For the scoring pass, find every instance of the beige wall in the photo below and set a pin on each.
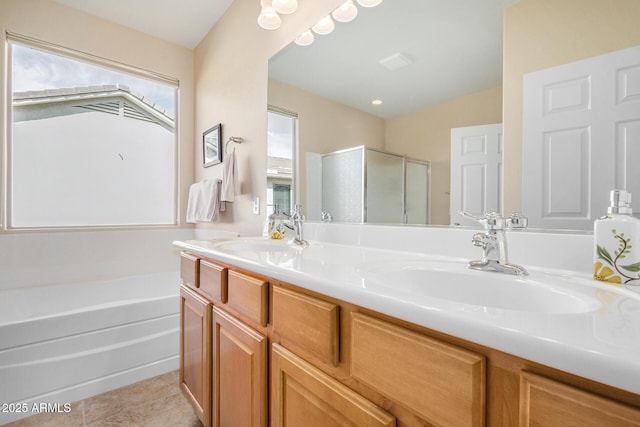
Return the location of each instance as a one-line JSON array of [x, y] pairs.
[[327, 126], [231, 66], [324, 126], [55, 23], [544, 33], [426, 135]]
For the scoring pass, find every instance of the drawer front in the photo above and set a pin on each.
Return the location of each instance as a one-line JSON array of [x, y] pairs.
[[308, 324], [213, 280], [545, 402], [248, 296], [189, 269], [441, 383]]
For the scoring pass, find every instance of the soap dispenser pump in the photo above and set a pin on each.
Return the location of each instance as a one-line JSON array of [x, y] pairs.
[[617, 243]]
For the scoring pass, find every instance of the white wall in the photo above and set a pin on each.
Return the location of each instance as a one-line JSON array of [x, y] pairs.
[[91, 169]]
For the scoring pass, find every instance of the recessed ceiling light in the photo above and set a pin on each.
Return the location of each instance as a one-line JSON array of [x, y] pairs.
[[376, 102]]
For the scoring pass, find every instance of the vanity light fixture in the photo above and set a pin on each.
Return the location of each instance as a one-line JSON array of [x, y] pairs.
[[346, 12], [285, 7], [305, 39], [268, 18], [324, 26], [369, 3]]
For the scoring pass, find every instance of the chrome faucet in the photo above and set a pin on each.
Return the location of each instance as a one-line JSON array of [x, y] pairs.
[[297, 221], [494, 243]]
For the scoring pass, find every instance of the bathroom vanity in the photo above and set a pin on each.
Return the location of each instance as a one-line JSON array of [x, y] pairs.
[[335, 334]]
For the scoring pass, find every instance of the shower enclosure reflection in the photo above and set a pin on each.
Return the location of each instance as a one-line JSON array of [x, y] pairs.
[[366, 185]]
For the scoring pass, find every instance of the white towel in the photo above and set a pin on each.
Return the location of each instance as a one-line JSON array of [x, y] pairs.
[[204, 203], [230, 184]]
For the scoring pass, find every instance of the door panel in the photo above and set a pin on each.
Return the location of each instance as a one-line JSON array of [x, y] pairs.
[[581, 138], [476, 171]]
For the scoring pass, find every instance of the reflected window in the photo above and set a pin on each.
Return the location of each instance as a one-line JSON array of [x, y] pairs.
[[281, 142]]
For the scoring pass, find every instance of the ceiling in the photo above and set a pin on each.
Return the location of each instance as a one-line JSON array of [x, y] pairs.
[[183, 22], [454, 46]]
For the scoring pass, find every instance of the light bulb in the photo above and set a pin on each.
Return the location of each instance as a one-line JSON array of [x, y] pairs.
[[285, 7], [324, 26], [369, 3], [346, 12], [305, 39], [268, 18]]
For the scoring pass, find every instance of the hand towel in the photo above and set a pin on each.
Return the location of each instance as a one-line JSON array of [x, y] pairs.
[[230, 184], [204, 203]]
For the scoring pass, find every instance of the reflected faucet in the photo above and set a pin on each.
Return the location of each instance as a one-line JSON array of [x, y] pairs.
[[296, 220], [326, 216], [494, 243]]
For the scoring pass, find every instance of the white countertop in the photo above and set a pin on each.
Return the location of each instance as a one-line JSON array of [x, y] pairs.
[[602, 343]]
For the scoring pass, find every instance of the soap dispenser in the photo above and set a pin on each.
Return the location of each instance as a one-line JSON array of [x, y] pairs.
[[617, 243]]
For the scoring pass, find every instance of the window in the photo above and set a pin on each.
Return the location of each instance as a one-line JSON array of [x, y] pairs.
[[92, 143], [281, 135]]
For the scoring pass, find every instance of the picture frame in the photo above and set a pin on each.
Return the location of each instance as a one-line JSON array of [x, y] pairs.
[[212, 146]]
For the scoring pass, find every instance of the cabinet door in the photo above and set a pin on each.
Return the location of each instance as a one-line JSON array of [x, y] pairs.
[[240, 373], [443, 384], [302, 395], [195, 352], [545, 402]]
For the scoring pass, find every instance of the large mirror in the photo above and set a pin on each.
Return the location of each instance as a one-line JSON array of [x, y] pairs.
[[434, 65]]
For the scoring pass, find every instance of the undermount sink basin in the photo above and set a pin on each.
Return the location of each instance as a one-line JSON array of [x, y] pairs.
[[256, 245], [452, 281]]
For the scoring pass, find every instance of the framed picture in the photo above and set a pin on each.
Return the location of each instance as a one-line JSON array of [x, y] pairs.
[[211, 146]]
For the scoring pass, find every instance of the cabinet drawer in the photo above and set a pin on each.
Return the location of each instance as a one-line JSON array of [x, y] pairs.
[[248, 296], [213, 280], [545, 402], [308, 324], [189, 269], [443, 384]]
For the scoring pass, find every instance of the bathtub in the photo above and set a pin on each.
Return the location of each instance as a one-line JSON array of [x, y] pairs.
[[63, 343]]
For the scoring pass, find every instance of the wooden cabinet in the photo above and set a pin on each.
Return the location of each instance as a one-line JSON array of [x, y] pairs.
[[240, 373], [443, 384], [195, 352], [258, 352], [302, 395], [549, 403]]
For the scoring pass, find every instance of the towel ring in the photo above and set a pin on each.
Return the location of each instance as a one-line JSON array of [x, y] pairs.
[[235, 139]]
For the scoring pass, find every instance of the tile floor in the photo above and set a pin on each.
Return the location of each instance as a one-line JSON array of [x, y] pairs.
[[156, 402]]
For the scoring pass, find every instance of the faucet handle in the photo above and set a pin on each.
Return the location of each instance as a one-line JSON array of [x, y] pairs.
[[297, 213], [490, 220], [326, 216], [517, 220]]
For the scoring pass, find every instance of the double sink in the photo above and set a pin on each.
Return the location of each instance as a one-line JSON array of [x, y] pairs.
[[448, 280]]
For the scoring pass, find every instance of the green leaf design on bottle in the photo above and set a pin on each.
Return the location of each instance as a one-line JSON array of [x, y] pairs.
[[624, 248]]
